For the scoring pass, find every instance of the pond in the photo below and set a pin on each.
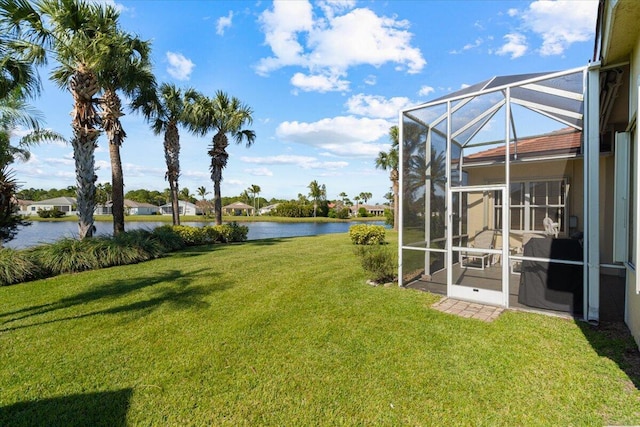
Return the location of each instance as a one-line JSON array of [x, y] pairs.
[[45, 232]]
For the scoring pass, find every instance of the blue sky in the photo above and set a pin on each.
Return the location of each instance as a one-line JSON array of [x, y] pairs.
[[325, 80]]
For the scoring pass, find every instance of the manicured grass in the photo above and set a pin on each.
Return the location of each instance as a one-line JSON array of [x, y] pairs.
[[286, 332]]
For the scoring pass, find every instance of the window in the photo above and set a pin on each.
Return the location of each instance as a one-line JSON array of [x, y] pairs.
[[531, 202]]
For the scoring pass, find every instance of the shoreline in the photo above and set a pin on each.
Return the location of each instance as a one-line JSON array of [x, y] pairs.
[[200, 218]]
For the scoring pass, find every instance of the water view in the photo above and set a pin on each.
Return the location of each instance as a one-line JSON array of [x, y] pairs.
[[45, 232]]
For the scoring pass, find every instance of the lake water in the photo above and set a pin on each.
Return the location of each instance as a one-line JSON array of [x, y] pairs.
[[44, 232]]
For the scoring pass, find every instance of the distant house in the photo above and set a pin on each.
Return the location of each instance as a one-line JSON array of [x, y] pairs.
[[238, 209], [64, 204], [23, 206], [372, 210], [266, 210], [186, 208], [130, 208]]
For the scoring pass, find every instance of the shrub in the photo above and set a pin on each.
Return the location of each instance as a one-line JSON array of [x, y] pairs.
[[293, 210], [67, 255], [379, 262], [233, 232], [17, 266], [51, 213], [363, 234], [168, 238], [388, 217], [191, 235], [362, 212]]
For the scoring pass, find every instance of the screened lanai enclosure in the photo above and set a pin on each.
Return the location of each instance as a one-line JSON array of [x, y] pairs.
[[494, 193]]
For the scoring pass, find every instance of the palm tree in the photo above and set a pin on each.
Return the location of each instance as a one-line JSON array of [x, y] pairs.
[[255, 190], [366, 196], [14, 112], [317, 192], [129, 72], [224, 116], [202, 192], [78, 35], [19, 54], [166, 110], [390, 161]]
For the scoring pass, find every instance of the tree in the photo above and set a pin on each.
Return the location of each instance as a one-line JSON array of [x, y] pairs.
[[390, 161], [226, 117], [20, 52], [166, 110], [202, 192], [317, 193], [186, 195], [15, 112], [77, 35], [365, 196], [255, 190], [128, 71]]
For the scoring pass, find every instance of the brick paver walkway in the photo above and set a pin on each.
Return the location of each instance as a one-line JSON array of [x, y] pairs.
[[486, 313]]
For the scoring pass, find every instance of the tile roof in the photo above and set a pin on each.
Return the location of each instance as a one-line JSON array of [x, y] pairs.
[[563, 141]]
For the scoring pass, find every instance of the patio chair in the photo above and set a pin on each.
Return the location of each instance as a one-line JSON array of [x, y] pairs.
[[482, 240]]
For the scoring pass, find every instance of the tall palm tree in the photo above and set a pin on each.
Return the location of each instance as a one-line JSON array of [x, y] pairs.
[[78, 35], [255, 190], [390, 161], [226, 117], [129, 72], [166, 110], [317, 193]]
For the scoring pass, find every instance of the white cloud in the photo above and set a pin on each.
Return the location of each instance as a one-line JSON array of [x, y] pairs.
[[370, 80], [319, 83], [512, 12], [377, 106], [343, 136], [223, 23], [561, 23], [259, 172], [305, 162], [516, 45], [426, 91], [117, 6], [179, 68], [330, 45]]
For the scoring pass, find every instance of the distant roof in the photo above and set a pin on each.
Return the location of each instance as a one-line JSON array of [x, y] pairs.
[[561, 142], [57, 201], [237, 205]]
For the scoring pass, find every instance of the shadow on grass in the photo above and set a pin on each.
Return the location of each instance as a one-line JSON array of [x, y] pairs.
[[614, 341], [177, 292], [108, 408]]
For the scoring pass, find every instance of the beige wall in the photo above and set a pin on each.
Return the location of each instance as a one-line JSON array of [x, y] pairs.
[[632, 316], [571, 169]]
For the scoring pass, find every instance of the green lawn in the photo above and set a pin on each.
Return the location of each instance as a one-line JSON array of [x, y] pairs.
[[286, 332]]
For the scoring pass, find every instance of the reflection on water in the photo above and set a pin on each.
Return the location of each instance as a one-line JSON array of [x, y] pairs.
[[45, 232]]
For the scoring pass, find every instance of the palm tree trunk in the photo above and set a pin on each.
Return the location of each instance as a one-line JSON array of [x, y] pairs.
[[175, 202], [219, 158], [83, 86], [217, 202], [172, 159], [111, 113], [117, 192], [395, 185]]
